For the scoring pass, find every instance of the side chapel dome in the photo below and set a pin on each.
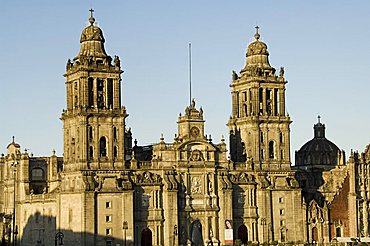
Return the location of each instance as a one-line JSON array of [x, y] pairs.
[[319, 151]]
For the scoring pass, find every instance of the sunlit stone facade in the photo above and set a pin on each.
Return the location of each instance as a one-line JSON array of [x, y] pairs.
[[107, 190]]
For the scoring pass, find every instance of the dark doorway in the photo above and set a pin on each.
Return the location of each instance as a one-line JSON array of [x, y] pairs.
[[146, 237], [196, 233], [243, 234]]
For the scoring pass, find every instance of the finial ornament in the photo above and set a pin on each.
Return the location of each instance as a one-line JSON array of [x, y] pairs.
[[318, 118], [91, 19], [257, 35]]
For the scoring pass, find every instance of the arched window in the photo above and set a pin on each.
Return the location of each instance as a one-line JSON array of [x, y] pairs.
[[271, 150], [90, 132], [103, 147], [91, 152], [90, 92], [37, 174], [114, 133], [115, 152]]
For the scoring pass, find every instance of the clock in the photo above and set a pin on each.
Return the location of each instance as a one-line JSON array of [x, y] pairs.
[[194, 131]]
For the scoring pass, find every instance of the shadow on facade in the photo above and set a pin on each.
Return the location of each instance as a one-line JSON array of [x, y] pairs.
[[237, 147], [41, 231]]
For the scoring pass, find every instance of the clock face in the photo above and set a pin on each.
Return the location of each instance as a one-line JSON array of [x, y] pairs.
[[194, 131]]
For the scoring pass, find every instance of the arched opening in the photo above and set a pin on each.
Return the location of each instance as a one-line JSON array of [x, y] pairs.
[[115, 152], [271, 150], [114, 133], [315, 236], [100, 93], [243, 234], [146, 237], [196, 233], [103, 147], [90, 134], [110, 93], [37, 174], [91, 152], [90, 92]]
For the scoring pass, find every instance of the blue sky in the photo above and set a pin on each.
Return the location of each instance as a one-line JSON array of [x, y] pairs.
[[323, 46]]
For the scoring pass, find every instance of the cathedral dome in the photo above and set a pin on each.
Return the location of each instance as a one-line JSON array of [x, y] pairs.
[[92, 41], [318, 151], [257, 55]]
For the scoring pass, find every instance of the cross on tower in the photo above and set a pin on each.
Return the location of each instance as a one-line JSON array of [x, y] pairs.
[[257, 27], [91, 11]]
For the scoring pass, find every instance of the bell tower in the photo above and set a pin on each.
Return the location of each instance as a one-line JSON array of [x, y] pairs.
[[259, 125], [94, 120]]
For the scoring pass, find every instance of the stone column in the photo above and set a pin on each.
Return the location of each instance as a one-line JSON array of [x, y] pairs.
[[234, 103], [116, 93], [95, 88], [264, 101]]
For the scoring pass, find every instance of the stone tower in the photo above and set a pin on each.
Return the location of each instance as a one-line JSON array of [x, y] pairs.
[[259, 125], [94, 121], [94, 181]]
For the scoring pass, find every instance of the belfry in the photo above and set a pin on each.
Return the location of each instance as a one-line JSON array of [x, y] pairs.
[[259, 125]]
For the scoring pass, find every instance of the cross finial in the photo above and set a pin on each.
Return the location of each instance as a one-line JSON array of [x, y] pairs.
[[91, 13], [318, 118], [257, 35]]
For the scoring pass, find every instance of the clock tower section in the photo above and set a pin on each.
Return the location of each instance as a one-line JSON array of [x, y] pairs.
[[94, 120], [259, 125]]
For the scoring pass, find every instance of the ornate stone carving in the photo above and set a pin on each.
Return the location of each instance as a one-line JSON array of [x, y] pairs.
[[243, 178], [170, 180], [148, 178], [196, 155], [196, 185]]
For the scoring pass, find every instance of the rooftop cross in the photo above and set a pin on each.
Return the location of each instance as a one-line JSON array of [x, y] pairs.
[[257, 35], [91, 13]]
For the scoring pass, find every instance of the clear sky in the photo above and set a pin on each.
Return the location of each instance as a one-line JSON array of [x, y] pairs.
[[323, 45]]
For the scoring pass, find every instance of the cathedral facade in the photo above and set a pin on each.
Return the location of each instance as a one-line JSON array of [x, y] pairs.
[[107, 190]]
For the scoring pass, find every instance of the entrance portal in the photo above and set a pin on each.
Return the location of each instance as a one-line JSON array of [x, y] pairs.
[[196, 233], [146, 237], [243, 234]]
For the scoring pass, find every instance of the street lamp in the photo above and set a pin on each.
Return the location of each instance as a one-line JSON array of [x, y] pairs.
[[15, 229], [125, 227], [59, 238]]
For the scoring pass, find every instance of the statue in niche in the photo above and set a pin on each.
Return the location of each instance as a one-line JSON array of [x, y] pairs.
[[250, 163], [210, 185], [269, 107]]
